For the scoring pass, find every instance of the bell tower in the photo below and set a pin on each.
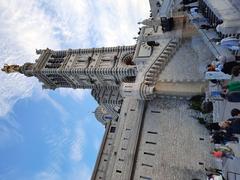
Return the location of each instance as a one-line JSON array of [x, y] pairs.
[[99, 69]]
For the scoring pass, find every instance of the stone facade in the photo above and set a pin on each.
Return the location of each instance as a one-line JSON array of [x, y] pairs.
[[142, 90]]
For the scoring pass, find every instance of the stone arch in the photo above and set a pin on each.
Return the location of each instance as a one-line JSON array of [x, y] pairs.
[[129, 79], [127, 59]]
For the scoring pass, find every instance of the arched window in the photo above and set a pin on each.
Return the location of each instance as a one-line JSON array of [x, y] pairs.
[[107, 117], [128, 59]]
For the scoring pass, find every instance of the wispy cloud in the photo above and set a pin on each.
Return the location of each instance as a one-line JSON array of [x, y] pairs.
[[59, 107], [23, 28], [27, 25], [97, 144], [81, 172], [47, 175], [77, 145], [30, 24], [67, 146], [10, 132], [77, 94]]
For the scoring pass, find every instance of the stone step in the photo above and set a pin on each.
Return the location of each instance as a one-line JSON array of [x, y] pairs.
[[170, 48], [157, 66], [149, 75], [153, 70], [160, 63]]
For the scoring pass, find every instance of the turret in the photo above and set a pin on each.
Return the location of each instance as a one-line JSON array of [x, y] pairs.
[[26, 69]]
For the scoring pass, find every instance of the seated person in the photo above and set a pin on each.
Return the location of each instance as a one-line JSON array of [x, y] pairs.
[[231, 96], [215, 72], [215, 66], [221, 137], [236, 70], [232, 86], [206, 26], [226, 67], [221, 154], [235, 112], [230, 126]]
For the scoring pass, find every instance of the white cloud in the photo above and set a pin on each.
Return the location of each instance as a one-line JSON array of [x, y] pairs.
[[55, 104], [57, 142], [27, 25], [9, 135], [46, 175], [76, 94], [10, 132], [23, 28], [77, 144], [117, 20], [73, 142], [97, 144], [81, 172]]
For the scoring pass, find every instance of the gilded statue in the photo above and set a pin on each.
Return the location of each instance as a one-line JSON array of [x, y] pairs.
[[11, 68]]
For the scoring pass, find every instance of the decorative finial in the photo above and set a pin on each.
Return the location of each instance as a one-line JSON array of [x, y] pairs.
[[11, 68]]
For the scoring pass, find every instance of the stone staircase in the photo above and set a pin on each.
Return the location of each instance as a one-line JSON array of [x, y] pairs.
[[158, 65]]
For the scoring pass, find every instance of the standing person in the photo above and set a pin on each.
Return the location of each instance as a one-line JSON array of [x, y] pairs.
[[232, 86], [228, 67], [235, 112], [236, 71]]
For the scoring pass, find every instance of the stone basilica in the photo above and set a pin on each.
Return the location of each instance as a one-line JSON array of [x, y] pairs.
[[143, 90]]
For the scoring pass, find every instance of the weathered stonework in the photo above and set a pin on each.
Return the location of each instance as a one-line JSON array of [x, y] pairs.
[[142, 91]]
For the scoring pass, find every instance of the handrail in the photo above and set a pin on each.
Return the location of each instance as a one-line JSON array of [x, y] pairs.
[[235, 175]]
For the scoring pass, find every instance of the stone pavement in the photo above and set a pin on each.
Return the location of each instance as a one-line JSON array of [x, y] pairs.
[[175, 142], [188, 63]]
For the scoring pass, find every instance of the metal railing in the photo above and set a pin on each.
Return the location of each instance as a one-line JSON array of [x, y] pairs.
[[233, 175]]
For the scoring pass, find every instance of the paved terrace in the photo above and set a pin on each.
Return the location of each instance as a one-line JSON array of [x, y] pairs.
[[176, 143]]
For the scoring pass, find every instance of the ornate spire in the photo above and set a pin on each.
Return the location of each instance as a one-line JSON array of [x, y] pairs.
[[11, 68]]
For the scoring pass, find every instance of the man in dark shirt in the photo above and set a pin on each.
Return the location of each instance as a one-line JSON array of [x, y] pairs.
[[233, 126], [228, 66]]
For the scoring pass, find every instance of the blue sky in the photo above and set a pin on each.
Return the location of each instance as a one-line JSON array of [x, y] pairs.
[[53, 135]]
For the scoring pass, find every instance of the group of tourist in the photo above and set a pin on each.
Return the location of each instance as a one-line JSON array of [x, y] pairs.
[[224, 72], [225, 131], [225, 136]]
